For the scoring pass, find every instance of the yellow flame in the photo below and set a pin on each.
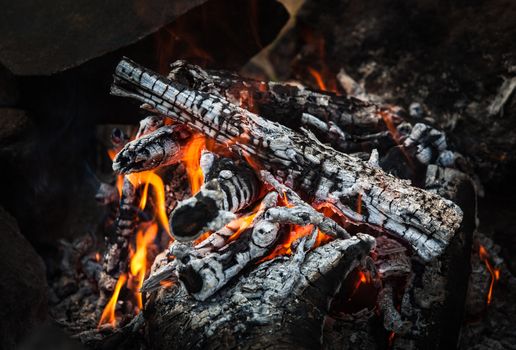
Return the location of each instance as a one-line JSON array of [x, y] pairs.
[[149, 177], [108, 315], [138, 265], [192, 156]]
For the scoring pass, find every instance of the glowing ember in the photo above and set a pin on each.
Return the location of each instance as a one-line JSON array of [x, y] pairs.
[[359, 204], [138, 265], [166, 283], [363, 278], [253, 163], [149, 177], [391, 339], [108, 315], [322, 238], [191, 159], [387, 119], [495, 273]]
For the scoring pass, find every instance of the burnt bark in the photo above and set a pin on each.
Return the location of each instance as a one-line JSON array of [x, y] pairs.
[[230, 186], [281, 303], [157, 148], [427, 221], [347, 123]]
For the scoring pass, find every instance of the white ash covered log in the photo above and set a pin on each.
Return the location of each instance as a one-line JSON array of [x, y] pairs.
[[347, 123], [115, 259], [229, 187], [281, 303], [158, 148], [204, 273], [425, 220]]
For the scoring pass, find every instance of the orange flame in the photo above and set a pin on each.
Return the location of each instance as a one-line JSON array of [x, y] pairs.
[[192, 158], [149, 177], [389, 123], [120, 178], [202, 238], [119, 184], [363, 278], [108, 315], [138, 265], [242, 223], [495, 273], [324, 77], [145, 194], [318, 79], [285, 248], [111, 153]]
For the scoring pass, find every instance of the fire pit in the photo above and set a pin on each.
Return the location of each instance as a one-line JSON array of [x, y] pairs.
[[282, 206]]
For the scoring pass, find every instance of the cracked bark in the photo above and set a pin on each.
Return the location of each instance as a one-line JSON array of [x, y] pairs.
[[158, 148], [347, 123], [281, 303], [425, 220], [116, 256], [230, 187]]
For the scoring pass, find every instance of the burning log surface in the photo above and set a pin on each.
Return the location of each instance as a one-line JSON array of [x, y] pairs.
[[230, 186], [281, 303], [156, 149], [245, 268], [425, 220], [347, 123]]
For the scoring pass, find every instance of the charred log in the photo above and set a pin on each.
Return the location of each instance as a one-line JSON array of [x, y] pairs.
[[202, 276], [425, 220], [282, 303], [115, 258], [231, 187], [157, 148], [347, 123]]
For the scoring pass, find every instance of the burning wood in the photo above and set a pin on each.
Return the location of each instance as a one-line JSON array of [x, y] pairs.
[[300, 212], [423, 219], [115, 258], [347, 123], [280, 102], [205, 274], [278, 300], [155, 149], [230, 186]]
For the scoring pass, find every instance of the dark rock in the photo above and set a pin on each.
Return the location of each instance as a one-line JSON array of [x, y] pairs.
[[9, 93], [14, 123], [23, 285], [40, 40], [50, 336]]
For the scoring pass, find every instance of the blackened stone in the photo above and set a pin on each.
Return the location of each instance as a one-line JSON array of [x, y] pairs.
[[9, 93], [13, 124], [23, 284]]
